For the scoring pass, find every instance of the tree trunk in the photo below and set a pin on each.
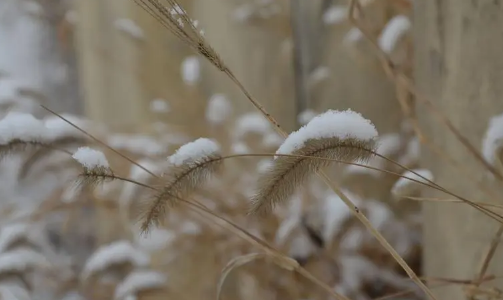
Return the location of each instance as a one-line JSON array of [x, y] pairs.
[[459, 66]]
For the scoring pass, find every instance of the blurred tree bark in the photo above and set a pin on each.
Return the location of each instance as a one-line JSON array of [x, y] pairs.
[[459, 66]]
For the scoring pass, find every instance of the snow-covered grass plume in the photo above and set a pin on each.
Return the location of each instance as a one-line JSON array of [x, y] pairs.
[[393, 31], [138, 281], [335, 14], [119, 252], [191, 69], [219, 108], [331, 124], [194, 151], [22, 127], [91, 159]]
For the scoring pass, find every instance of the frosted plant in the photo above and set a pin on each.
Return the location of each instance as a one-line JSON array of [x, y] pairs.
[[190, 167], [21, 234], [194, 151], [116, 253], [138, 281], [412, 183], [22, 260], [159, 105], [21, 127], [240, 148], [13, 290], [93, 161], [335, 14], [339, 135], [191, 69], [354, 35], [251, 123], [129, 27], [219, 109], [378, 213], [334, 214], [341, 125], [393, 31], [412, 153], [157, 239], [318, 75], [57, 128]]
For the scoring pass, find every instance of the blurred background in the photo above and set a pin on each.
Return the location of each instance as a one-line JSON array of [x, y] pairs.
[[426, 73]]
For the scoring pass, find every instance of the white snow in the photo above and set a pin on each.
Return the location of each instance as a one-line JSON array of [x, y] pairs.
[[159, 105], [352, 36], [405, 186], [352, 239], [335, 14], [219, 109], [191, 69], [138, 281], [334, 213], [301, 247], [492, 143], [21, 260], [59, 128], [12, 233], [318, 75], [378, 214], [128, 26], [90, 158], [21, 126], [331, 124], [114, 253], [157, 239], [240, 148], [412, 152], [253, 122], [176, 10], [393, 31], [13, 290], [194, 151]]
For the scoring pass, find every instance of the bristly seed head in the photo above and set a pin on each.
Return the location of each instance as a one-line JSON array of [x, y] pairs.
[[190, 168], [334, 135], [173, 17]]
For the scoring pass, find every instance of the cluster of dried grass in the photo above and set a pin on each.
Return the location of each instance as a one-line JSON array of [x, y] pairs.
[[164, 224]]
